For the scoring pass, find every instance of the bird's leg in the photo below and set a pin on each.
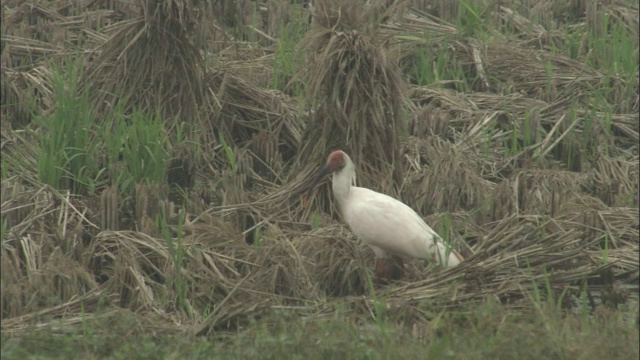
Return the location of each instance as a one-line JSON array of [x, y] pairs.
[[403, 273], [396, 270], [389, 270], [393, 269], [380, 271], [386, 271]]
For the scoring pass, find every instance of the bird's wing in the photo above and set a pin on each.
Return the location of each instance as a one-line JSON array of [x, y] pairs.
[[382, 221]]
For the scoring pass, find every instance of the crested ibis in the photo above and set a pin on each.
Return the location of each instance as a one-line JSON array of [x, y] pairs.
[[387, 225]]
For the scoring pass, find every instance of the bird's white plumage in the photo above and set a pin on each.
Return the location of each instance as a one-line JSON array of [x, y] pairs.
[[387, 225]]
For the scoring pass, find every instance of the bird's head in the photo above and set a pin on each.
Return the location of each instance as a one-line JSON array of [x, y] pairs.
[[336, 161]]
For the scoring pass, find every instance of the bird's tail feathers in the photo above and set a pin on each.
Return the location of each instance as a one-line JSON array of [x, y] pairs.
[[446, 256]]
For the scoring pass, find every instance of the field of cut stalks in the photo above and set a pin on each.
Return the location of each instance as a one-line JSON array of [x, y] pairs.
[[155, 154]]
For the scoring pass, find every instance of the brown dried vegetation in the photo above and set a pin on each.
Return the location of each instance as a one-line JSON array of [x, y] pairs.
[[522, 173]]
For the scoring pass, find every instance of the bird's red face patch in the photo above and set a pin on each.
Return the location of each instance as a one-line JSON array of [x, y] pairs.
[[335, 160]]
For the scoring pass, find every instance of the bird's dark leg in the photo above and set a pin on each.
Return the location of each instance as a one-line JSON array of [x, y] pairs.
[[380, 271], [393, 270], [387, 270]]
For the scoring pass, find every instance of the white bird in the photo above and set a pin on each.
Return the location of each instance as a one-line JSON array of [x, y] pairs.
[[387, 225]]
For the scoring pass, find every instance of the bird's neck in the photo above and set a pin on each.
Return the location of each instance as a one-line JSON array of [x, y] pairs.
[[342, 183]]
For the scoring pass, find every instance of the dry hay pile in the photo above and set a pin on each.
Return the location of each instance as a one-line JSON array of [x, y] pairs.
[[525, 175], [357, 93]]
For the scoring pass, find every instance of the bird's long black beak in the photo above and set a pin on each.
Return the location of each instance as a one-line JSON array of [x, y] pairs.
[[321, 174]]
